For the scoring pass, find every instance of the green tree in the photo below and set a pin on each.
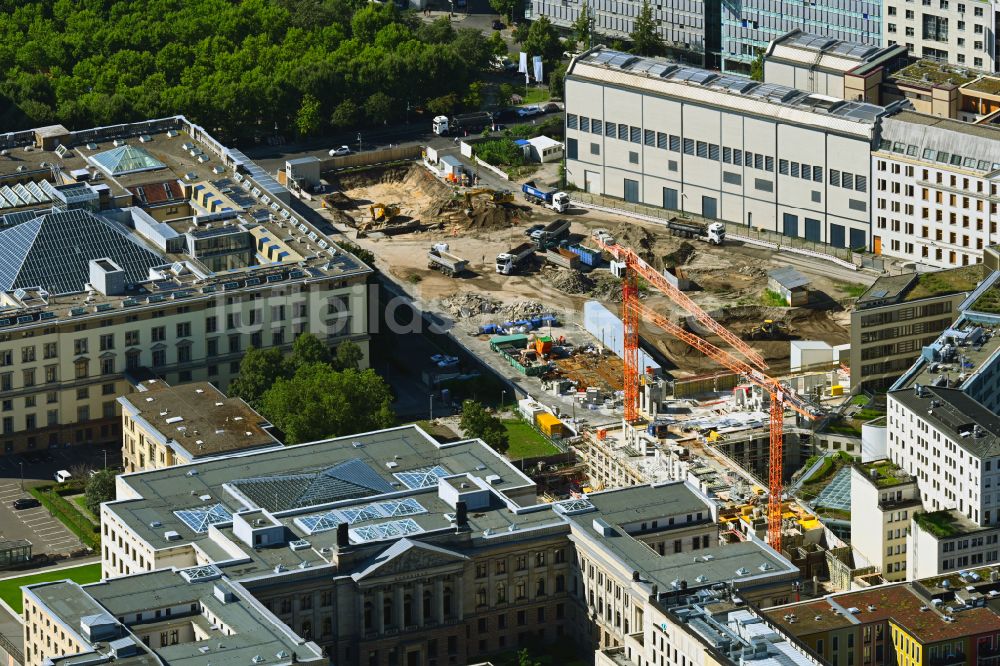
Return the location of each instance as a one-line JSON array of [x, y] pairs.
[[646, 39], [543, 40], [757, 65], [319, 402], [500, 151], [582, 28], [259, 369], [309, 349], [474, 96], [557, 81], [496, 45], [308, 119], [506, 8], [345, 115], [477, 422], [442, 105], [378, 108], [438, 31], [349, 355], [100, 488], [520, 33], [505, 93]]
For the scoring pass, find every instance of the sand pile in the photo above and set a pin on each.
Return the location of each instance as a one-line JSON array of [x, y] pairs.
[[570, 281], [396, 173], [680, 256], [607, 287]]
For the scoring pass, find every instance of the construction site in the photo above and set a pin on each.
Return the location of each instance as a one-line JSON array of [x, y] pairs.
[[669, 356]]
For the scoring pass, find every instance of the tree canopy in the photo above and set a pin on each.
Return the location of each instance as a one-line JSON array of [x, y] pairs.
[[477, 422], [100, 488], [542, 39], [646, 39], [238, 68]]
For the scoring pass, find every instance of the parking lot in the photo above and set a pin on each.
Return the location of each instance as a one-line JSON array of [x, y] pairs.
[[46, 534]]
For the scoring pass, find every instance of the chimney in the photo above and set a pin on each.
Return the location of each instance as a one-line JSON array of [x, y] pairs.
[[635, 576], [461, 514], [342, 541]]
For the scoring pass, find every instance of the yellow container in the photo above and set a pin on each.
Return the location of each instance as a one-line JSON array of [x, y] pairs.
[[836, 389], [549, 425]]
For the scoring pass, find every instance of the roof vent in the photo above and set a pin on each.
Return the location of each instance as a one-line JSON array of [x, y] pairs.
[[392, 464], [854, 610], [171, 535], [742, 571], [278, 568], [204, 498], [155, 524], [192, 472]]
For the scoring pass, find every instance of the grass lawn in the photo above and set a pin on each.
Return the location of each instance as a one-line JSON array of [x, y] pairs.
[[525, 442], [534, 95], [859, 400], [81, 501], [10, 589]]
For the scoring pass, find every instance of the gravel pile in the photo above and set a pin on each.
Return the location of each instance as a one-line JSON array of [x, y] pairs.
[[571, 282], [521, 310], [470, 304]]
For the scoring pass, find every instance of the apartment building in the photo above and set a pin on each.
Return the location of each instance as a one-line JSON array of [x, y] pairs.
[[721, 146], [166, 425], [943, 620], [886, 499], [689, 28], [958, 33], [388, 547], [899, 315], [97, 294], [935, 189]]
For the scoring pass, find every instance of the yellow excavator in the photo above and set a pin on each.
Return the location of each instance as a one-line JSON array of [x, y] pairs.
[[496, 197], [769, 330], [383, 212]]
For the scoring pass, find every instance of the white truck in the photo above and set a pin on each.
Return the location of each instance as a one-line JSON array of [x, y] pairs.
[[710, 232], [439, 258], [507, 262]]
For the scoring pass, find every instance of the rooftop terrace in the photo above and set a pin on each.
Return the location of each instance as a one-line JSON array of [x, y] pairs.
[[931, 72]]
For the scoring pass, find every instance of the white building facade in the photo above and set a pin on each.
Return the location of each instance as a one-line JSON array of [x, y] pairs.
[[936, 183], [761, 155], [958, 33]]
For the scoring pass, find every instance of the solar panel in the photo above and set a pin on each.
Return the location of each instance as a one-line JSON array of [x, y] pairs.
[[200, 519], [389, 530], [422, 477]]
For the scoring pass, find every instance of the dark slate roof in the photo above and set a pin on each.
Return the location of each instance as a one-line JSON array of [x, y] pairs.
[[957, 414], [349, 480], [53, 249]]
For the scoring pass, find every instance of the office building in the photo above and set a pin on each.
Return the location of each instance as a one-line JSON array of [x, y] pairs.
[[901, 314], [749, 27], [97, 294], [390, 548], [689, 28], [761, 155], [957, 33], [818, 63], [165, 425], [935, 191], [945, 620]]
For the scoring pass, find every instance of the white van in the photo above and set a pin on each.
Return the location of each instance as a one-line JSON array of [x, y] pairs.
[[62, 476]]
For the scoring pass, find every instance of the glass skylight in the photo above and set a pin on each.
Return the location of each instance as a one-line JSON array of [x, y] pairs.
[[391, 529], [322, 522], [422, 477], [199, 520]]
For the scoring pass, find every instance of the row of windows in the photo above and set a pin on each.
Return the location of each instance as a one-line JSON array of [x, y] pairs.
[[848, 181]]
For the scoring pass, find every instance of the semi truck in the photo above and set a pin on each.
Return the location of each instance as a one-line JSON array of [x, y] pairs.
[[473, 123], [439, 258], [550, 235], [554, 199], [710, 232], [507, 262]]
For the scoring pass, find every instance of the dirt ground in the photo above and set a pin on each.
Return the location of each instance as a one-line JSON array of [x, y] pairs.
[[729, 281]]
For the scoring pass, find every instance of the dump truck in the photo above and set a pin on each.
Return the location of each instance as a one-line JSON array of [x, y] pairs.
[[710, 232], [462, 123], [507, 262], [561, 257], [439, 258], [550, 235], [554, 199]]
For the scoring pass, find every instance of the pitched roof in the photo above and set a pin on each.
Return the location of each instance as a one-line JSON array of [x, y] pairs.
[[154, 193], [126, 159], [350, 479], [52, 251]]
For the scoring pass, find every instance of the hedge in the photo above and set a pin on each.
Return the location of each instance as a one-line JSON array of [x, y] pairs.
[[68, 515]]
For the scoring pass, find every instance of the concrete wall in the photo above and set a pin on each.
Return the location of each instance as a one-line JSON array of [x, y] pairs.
[[607, 328]]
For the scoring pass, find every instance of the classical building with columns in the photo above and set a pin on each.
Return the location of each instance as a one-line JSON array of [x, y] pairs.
[[389, 548]]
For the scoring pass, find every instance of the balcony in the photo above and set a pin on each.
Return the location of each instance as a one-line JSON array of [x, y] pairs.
[[612, 657]]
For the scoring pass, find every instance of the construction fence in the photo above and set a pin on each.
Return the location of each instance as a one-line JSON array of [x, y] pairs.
[[738, 231], [370, 157]]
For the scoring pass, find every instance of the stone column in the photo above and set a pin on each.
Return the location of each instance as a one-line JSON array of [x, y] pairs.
[[397, 606], [377, 612], [418, 604], [458, 597], [438, 598]]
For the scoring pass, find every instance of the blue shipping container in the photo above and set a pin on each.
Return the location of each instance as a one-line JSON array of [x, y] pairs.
[[588, 256]]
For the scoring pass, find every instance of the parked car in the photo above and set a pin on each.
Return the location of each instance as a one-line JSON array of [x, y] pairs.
[[498, 24], [528, 111], [26, 503], [337, 152], [62, 476], [551, 107]]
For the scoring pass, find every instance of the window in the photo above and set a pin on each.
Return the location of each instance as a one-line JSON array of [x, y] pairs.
[[80, 368], [159, 358], [108, 366], [596, 126], [584, 124], [50, 350], [595, 149], [79, 347], [107, 342], [131, 338], [234, 343], [184, 329], [633, 157], [159, 333]]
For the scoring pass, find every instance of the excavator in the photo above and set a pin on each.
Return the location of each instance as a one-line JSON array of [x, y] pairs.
[[383, 212], [769, 330], [497, 197]]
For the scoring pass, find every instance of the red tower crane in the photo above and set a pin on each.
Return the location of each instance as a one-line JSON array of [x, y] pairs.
[[752, 368]]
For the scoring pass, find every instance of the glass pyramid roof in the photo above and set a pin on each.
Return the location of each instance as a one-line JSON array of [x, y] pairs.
[[126, 159], [350, 479], [201, 518]]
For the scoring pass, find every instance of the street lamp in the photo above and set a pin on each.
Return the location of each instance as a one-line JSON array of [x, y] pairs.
[[105, 458], [21, 465], [359, 142], [503, 395], [430, 407]]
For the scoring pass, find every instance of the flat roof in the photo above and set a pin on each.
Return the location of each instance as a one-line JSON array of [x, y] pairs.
[[953, 143], [958, 415], [893, 289], [200, 419], [930, 72]]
